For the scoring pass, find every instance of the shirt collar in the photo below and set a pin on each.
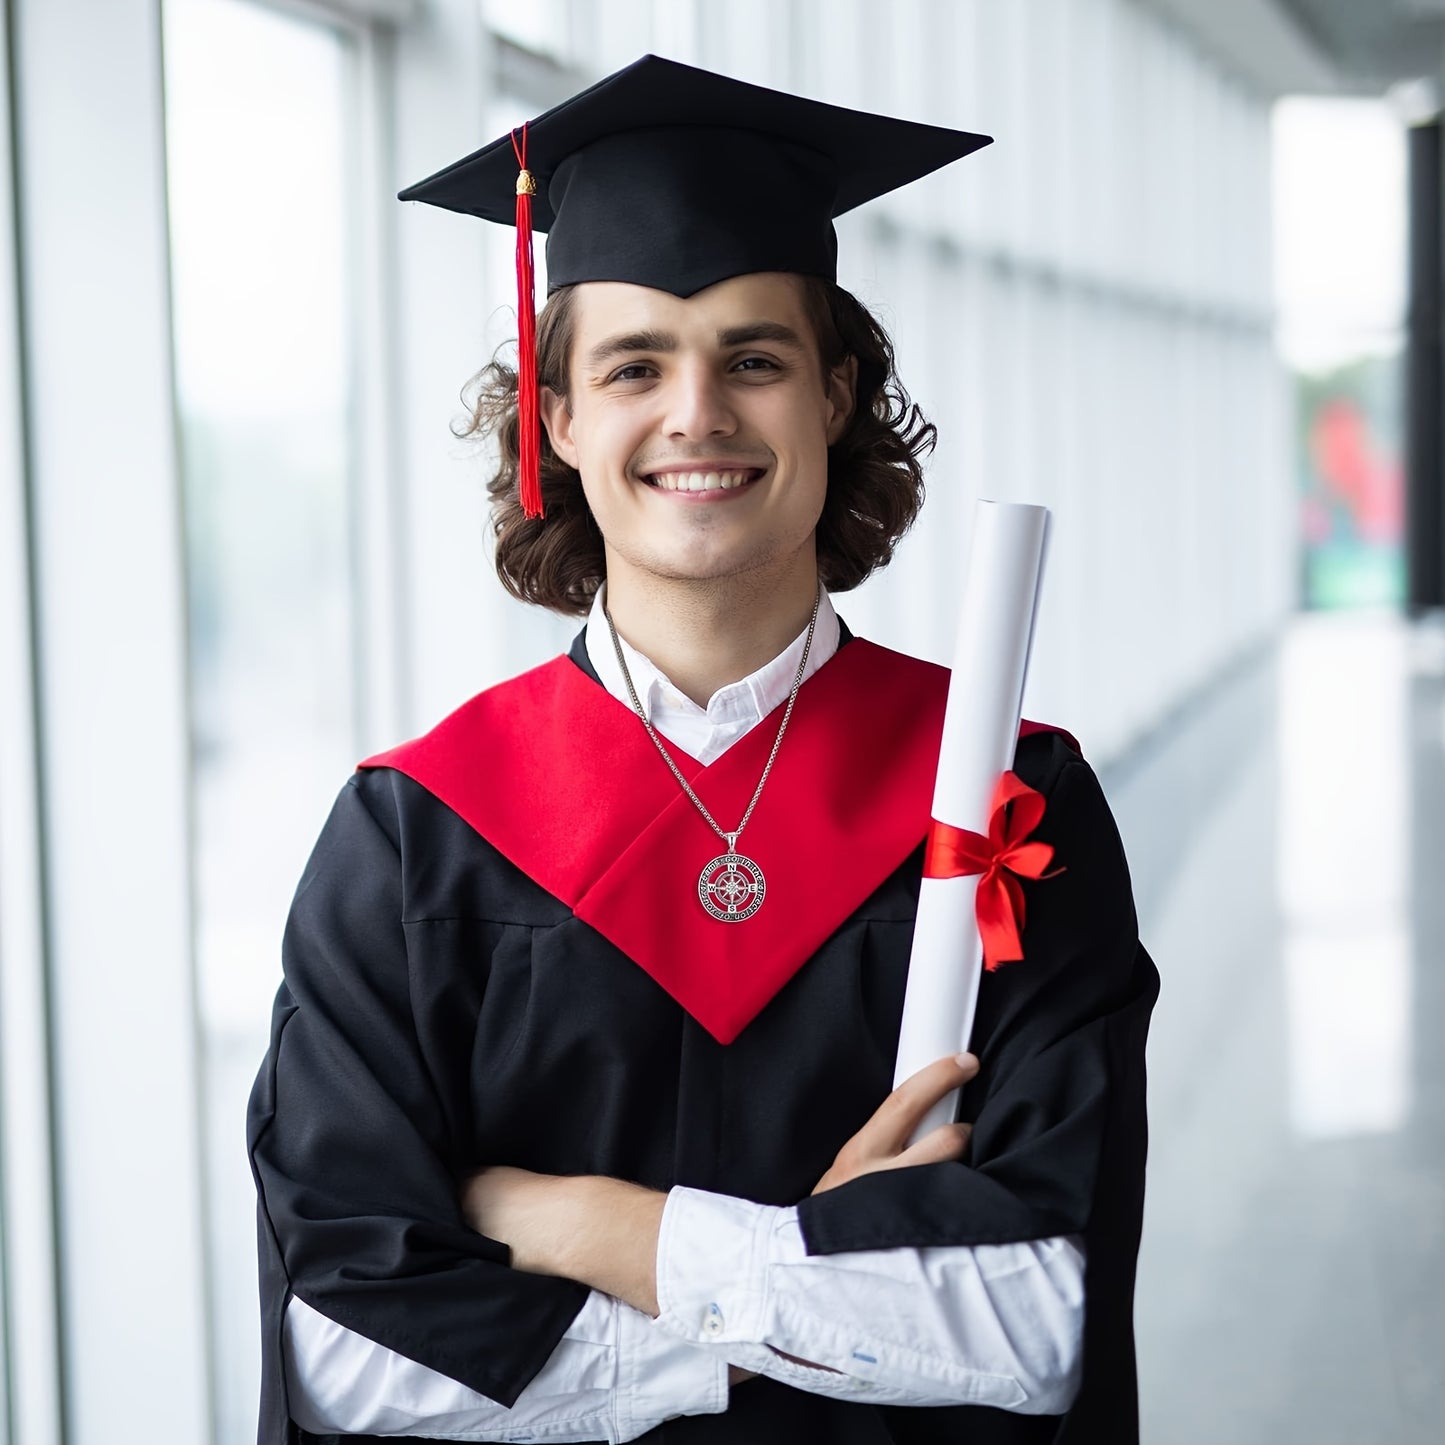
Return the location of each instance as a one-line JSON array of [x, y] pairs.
[[748, 700]]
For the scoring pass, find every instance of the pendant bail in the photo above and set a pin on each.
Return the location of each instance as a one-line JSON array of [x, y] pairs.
[[732, 843]]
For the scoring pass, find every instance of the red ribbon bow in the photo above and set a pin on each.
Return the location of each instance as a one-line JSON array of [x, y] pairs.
[[1014, 813]]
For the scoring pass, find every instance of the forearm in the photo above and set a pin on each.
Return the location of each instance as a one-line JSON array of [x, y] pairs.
[[612, 1244]]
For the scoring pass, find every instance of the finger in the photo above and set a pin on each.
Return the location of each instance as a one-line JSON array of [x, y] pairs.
[[892, 1125], [938, 1146]]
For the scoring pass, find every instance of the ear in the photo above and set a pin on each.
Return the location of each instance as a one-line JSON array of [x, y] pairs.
[[840, 389], [557, 418]]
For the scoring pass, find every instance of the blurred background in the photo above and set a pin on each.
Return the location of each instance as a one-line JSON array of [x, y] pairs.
[[1190, 300]]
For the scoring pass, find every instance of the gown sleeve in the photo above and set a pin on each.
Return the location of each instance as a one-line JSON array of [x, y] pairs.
[[349, 1141]]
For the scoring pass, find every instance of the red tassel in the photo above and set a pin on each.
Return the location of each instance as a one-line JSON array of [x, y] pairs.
[[529, 449]]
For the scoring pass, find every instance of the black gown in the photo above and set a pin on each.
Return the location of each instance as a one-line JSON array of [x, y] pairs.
[[442, 1010]]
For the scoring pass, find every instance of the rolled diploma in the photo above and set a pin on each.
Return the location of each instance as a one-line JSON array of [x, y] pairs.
[[980, 733]]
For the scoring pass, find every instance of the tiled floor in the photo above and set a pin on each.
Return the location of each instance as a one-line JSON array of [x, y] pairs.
[[1292, 1277]]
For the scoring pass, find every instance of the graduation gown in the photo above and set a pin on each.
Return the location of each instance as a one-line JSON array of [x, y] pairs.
[[496, 955]]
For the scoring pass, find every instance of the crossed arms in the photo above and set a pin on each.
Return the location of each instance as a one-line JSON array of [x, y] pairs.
[[605, 1233]]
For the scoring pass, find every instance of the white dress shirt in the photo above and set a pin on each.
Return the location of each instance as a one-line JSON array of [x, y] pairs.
[[991, 1324]]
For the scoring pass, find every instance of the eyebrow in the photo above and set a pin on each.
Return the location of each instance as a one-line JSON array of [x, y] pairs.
[[634, 341], [760, 331], [631, 341]]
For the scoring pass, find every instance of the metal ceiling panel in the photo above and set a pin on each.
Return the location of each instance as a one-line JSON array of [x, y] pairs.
[[1259, 41]]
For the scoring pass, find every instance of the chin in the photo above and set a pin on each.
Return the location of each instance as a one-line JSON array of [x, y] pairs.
[[716, 567]]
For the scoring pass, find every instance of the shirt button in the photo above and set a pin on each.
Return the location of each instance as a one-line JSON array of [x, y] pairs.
[[712, 1323]]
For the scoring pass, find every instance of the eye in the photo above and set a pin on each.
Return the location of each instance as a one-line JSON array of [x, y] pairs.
[[633, 371], [756, 363]]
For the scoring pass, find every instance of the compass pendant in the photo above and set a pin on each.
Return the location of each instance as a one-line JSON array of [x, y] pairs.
[[731, 887]]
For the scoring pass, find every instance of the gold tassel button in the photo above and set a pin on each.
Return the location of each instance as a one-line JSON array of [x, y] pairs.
[[526, 186]]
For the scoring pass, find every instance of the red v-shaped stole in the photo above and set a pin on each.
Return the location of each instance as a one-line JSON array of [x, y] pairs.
[[561, 778]]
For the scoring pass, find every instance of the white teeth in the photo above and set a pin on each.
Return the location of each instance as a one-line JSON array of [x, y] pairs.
[[700, 481]]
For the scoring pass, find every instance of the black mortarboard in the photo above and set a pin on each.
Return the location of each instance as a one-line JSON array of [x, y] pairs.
[[673, 177]]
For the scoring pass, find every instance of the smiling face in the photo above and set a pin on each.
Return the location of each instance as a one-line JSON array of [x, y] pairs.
[[700, 428]]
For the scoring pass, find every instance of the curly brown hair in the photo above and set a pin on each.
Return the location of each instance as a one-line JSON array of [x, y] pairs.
[[875, 468]]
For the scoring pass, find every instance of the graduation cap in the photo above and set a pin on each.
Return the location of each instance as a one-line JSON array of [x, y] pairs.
[[668, 176]]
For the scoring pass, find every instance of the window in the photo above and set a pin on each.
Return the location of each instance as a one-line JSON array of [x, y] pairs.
[[259, 171]]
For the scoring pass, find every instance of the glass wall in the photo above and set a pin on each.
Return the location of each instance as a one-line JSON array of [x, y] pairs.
[[259, 130]]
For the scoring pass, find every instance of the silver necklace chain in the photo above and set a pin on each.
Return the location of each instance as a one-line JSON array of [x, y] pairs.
[[731, 839]]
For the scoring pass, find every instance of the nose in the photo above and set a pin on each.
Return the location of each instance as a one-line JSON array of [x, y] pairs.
[[697, 405]]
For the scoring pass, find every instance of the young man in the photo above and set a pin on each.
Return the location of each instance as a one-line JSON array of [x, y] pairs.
[[576, 1122]]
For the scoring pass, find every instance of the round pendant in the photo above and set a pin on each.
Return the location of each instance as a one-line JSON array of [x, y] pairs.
[[731, 887]]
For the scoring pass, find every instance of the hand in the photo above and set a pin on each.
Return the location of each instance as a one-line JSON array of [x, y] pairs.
[[882, 1143]]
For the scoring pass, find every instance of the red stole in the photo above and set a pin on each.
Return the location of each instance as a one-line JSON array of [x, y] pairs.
[[561, 778]]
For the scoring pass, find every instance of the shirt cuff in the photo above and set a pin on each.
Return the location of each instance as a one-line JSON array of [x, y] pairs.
[[660, 1376], [712, 1267], [714, 1259]]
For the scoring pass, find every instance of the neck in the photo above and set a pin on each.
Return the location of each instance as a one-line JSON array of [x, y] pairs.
[[705, 635]]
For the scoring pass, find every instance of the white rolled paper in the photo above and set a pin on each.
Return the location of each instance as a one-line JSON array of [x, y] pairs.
[[980, 732]]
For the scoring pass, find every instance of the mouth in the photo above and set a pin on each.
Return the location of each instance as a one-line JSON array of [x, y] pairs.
[[731, 479]]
